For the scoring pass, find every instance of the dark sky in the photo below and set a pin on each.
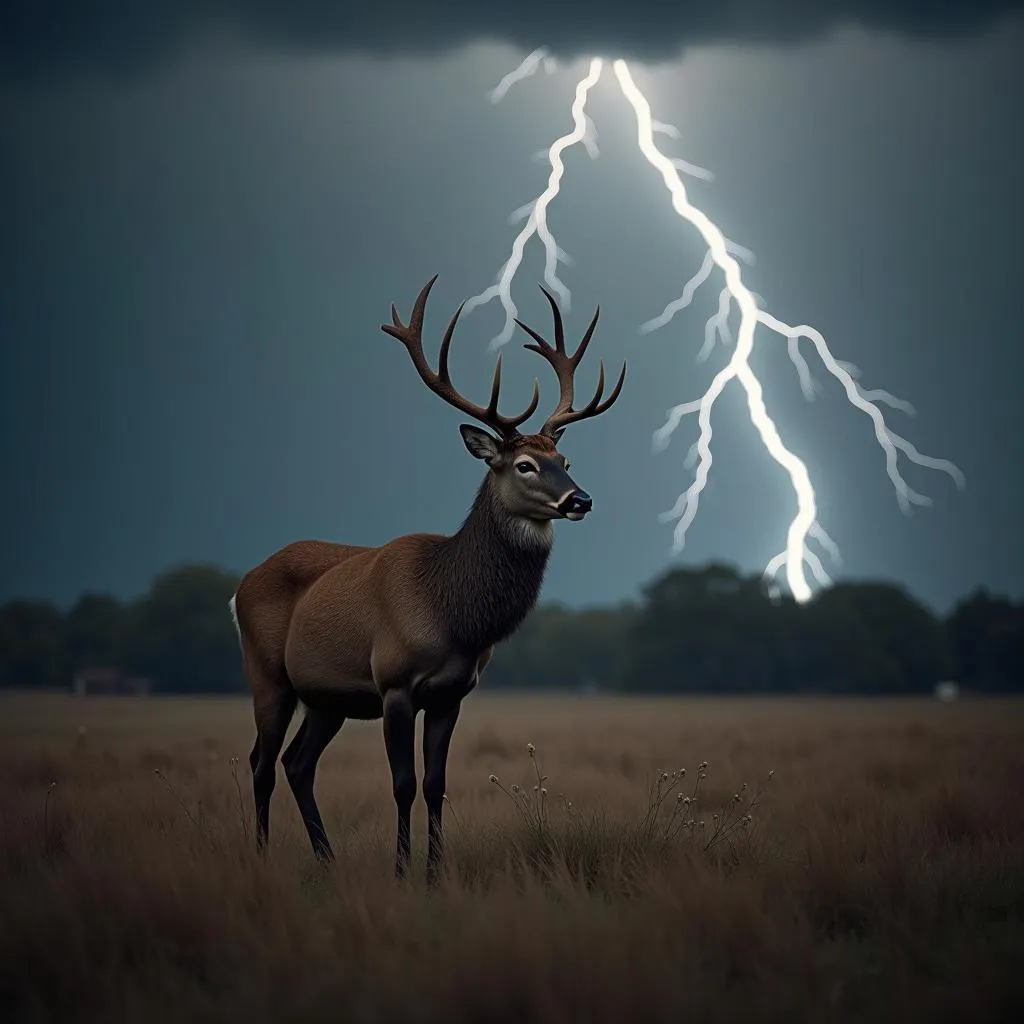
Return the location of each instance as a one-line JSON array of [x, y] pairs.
[[207, 212]]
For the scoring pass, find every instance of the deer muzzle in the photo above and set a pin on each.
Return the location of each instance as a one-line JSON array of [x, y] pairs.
[[575, 505]]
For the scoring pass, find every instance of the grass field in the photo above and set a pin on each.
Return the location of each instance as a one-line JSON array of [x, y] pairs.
[[881, 876]]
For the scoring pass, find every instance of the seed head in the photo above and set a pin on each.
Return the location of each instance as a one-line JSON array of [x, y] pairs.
[[735, 798], [492, 778], [531, 749], [771, 773]]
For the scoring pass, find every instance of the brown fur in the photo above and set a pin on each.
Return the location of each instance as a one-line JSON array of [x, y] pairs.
[[307, 625]]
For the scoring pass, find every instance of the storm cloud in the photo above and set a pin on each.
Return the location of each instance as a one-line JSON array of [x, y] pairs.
[[118, 37]]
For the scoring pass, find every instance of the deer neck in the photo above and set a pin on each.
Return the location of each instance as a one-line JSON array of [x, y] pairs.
[[487, 576]]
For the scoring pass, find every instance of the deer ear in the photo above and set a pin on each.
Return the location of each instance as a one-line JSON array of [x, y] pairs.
[[481, 445]]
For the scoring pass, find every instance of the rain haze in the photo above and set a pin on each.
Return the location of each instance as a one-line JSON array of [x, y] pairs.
[[209, 209]]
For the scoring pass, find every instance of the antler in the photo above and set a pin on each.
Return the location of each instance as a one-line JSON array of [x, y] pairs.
[[411, 336], [565, 366]]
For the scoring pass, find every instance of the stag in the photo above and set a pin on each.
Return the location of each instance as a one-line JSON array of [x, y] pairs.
[[409, 626]]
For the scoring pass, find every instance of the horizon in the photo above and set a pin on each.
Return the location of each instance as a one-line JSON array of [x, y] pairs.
[[636, 597]]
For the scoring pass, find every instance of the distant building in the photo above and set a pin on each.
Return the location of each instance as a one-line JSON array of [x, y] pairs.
[[947, 691], [90, 682]]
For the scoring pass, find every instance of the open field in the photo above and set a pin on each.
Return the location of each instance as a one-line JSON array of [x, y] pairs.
[[882, 877]]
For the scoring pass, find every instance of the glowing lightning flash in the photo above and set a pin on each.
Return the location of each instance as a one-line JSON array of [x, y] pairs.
[[804, 524], [537, 223], [738, 366], [722, 255], [528, 67]]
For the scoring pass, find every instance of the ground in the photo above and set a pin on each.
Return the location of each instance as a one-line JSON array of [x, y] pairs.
[[881, 876]]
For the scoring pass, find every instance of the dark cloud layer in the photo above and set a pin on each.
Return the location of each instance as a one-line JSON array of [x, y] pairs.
[[41, 39]]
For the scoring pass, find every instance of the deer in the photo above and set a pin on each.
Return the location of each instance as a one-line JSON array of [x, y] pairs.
[[385, 632]]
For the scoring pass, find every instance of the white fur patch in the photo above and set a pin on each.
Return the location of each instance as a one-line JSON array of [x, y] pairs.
[[532, 533], [234, 617]]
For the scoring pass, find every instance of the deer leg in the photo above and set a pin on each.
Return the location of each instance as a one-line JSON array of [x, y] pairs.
[[438, 726], [319, 727], [272, 718], [399, 739]]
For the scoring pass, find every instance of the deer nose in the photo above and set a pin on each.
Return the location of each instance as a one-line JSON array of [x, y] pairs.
[[578, 502]]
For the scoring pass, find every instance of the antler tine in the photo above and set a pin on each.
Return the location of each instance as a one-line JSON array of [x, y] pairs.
[[511, 422], [585, 340], [557, 314], [595, 401], [560, 333], [419, 307], [542, 344], [492, 405], [609, 401], [446, 344], [515, 422], [411, 336], [560, 362], [565, 366], [593, 408]]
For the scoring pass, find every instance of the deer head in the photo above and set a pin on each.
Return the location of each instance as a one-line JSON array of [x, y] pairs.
[[530, 475]]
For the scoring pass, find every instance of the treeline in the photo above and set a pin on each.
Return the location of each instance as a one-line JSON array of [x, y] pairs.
[[179, 635], [702, 630]]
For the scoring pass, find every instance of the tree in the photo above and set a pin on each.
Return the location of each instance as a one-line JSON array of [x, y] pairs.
[[985, 634], [1002, 654], [874, 638], [181, 634], [557, 648], [32, 645], [95, 632], [705, 629]]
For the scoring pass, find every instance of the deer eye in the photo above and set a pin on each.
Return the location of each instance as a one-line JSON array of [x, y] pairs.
[[526, 467]]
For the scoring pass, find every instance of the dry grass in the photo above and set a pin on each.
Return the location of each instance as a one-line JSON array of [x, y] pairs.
[[881, 878]]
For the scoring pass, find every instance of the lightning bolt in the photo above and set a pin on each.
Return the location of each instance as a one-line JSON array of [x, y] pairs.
[[797, 554], [722, 255], [525, 70], [536, 212]]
